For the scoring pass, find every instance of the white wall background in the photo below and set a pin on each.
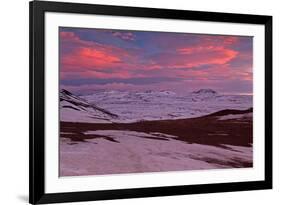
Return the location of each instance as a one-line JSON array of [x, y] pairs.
[[14, 100]]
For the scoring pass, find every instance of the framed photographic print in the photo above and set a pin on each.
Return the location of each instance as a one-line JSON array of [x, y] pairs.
[[141, 102]]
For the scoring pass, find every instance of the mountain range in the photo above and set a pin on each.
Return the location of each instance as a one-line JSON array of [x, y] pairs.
[[125, 106]]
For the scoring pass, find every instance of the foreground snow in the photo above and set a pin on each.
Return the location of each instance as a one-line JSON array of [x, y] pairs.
[[135, 152]]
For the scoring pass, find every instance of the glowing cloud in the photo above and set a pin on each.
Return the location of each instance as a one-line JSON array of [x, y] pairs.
[[172, 59]]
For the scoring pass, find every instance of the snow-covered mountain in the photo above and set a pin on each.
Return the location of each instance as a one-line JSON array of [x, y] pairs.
[[76, 109], [157, 105], [125, 106]]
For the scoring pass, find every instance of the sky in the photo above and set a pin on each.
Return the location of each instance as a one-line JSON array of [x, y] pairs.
[[105, 59]]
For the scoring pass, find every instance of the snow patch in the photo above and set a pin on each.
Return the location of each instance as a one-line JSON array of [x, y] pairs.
[[139, 152], [236, 117]]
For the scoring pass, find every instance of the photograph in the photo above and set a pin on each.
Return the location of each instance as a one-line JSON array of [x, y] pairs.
[[134, 101]]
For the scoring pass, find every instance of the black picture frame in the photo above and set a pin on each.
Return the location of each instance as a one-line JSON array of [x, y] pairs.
[[37, 194]]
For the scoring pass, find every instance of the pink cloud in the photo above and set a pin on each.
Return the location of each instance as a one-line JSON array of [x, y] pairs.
[[88, 59], [201, 55], [97, 74], [212, 50], [92, 58]]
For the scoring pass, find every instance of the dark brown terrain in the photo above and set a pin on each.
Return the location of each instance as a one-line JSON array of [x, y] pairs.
[[207, 130]]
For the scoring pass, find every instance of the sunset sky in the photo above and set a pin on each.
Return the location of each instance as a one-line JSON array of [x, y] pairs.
[[98, 59]]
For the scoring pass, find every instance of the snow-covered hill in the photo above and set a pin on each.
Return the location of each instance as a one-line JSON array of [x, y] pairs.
[[157, 105], [220, 139], [76, 109]]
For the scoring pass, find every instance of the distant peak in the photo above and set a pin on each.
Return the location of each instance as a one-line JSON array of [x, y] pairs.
[[205, 91]]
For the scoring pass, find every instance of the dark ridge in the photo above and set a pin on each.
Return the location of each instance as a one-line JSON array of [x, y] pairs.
[[205, 91], [68, 106], [229, 112], [76, 103], [81, 137], [66, 92], [235, 163], [84, 104], [106, 112], [156, 138]]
